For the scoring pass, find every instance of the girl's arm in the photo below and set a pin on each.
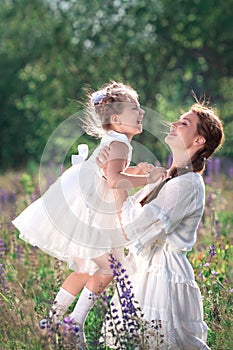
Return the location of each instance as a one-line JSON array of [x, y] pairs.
[[142, 168], [116, 176]]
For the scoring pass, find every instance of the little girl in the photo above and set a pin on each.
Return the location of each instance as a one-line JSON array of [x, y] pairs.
[[76, 220]]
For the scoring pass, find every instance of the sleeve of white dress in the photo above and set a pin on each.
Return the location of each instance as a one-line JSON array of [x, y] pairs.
[[177, 199]]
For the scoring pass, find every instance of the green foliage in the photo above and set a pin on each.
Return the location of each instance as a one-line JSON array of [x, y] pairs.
[[213, 277], [51, 51], [26, 182]]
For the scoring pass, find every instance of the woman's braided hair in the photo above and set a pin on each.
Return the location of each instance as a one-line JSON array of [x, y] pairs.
[[103, 104], [210, 127]]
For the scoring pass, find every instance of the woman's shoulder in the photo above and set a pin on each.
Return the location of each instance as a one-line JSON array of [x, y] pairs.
[[189, 180]]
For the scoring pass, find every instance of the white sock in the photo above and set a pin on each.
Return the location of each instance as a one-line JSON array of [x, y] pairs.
[[84, 304], [61, 304]]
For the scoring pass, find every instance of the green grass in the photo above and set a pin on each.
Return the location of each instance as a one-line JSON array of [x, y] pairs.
[[29, 279]]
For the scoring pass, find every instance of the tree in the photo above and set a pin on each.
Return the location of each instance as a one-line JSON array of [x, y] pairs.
[[51, 51]]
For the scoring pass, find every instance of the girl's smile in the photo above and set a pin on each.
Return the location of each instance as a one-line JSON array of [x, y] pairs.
[[129, 121]]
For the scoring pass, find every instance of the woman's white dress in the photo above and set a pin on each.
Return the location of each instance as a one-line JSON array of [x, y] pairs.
[[76, 219], [161, 233]]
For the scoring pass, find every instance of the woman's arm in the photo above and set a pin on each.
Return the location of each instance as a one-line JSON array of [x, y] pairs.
[[179, 199]]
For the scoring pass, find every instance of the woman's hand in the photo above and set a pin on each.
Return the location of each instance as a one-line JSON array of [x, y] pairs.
[[102, 158], [156, 174]]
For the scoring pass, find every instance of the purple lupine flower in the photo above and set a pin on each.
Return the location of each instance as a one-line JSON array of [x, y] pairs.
[[3, 284], [2, 248], [4, 195], [217, 166], [212, 251], [230, 171], [209, 167], [124, 290], [129, 329], [71, 325]]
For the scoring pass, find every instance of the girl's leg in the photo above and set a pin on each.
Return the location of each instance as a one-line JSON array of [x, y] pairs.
[[93, 288], [73, 284], [98, 282]]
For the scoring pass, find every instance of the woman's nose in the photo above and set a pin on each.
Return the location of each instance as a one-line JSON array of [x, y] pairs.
[[174, 123]]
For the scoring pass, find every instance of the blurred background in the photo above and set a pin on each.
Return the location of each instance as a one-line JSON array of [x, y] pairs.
[[52, 50]]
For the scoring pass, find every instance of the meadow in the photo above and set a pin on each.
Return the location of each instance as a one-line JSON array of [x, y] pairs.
[[29, 279]]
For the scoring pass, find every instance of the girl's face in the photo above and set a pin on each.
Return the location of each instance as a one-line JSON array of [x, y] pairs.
[[183, 133], [129, 121]]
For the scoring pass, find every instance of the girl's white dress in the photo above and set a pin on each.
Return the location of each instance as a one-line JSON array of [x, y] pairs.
[[162, 232], [76, 219]]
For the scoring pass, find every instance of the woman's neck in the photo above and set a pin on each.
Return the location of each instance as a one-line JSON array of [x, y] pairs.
[[181, 159]]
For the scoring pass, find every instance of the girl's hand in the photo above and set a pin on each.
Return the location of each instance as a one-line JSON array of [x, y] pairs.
[[156, 174], [144, 168]]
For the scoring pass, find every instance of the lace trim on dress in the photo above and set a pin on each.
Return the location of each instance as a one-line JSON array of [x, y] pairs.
[[155, 335]]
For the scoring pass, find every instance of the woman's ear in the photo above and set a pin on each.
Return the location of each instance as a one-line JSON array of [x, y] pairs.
[[200, 140]]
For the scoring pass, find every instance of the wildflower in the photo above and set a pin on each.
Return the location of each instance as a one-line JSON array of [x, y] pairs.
[[212, 251], [124, 328], [3, 283], [69, 327], [217, 166], [217, 227], [214, 272], [230, 171], [2, 248], [209, 168]]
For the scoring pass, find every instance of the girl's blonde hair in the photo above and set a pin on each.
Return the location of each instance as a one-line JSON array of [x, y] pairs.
[[108, 100]]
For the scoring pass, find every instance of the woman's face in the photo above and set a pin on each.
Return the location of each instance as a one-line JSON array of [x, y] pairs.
[[183, 133]]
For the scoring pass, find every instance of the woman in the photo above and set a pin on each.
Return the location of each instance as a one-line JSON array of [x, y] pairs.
[[161, 224]]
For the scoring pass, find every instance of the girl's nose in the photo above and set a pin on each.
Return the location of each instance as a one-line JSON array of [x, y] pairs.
[[142, 112]]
